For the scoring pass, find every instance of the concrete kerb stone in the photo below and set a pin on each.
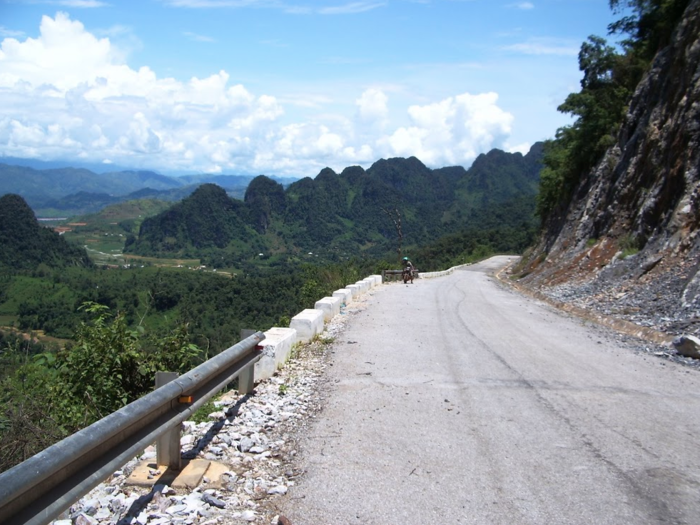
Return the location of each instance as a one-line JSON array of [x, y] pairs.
[[276, 348], [344, 295], [308, 323], [377, 279], [364, 286], [370, 282], [330, 306], [449, 271], [355, 289]]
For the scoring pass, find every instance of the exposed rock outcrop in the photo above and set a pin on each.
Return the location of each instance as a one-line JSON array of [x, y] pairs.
[[628, 245]]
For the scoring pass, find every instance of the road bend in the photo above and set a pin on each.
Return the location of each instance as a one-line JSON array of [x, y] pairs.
[[457, 400]]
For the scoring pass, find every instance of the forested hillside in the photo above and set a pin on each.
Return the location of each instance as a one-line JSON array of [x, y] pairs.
[[25, 244], [358, 210]]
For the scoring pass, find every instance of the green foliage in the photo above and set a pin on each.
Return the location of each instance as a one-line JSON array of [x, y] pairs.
[[505, 231], [56, 393], [28, 406], [201, 415], [650, 25], [609, 79], [26, 244], [102, 372], [629, 244]]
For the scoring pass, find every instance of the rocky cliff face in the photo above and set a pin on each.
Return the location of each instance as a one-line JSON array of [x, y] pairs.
[[629, 245]]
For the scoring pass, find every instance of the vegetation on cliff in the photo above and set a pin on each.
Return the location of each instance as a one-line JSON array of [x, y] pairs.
[[609, 80]]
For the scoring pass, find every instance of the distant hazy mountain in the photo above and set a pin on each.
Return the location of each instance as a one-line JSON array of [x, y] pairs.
[[95, 167], [229, 182], [74, 191]]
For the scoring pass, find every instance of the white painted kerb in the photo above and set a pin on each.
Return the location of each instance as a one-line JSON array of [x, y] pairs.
[[364, 286], [355, 289], [344, 295], [370, 282], [276, 348], [308, 323], [330, 306]]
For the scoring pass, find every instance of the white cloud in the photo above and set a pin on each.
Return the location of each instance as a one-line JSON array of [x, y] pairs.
[[545, 46], [523, 148], [201, 4], [198, 38], [372, 107], [5, 32], [351, 8], [64, 55], [68, 94], [451, 132], [525, 6], [88, 4], [359, 6]]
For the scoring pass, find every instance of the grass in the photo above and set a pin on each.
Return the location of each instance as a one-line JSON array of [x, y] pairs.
[[629, 245], [7, 320], [201, 415]]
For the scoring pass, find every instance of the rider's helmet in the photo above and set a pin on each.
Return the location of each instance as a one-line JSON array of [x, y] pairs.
[[405, 258]]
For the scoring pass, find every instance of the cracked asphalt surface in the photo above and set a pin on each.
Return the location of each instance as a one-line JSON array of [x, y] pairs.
[[458, 400]]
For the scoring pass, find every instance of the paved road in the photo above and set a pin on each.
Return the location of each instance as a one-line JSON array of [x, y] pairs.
[[455, 400]]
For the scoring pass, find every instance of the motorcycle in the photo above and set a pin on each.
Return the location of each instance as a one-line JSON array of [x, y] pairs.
[[407, 275]]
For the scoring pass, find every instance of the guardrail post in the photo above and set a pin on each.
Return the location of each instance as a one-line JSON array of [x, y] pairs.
[[246, 379], [168, 445]]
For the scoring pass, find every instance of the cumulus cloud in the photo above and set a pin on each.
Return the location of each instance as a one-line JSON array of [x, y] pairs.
[[69, 94], [453, 131], [523, 148], [372, 107]]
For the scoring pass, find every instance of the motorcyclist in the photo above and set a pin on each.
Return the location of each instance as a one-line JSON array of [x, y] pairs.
[[408, 268]]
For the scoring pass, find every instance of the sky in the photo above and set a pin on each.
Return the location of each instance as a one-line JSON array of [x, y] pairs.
[[285, 87]]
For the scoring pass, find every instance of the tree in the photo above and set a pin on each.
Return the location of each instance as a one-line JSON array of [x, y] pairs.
[[395, 217], [599, 109], [650, 25], [609, 79]]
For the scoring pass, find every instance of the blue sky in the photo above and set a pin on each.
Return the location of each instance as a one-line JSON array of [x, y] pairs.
[[285, 87]]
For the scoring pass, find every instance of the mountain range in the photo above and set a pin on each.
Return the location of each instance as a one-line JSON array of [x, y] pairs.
[[67, 191], [395, 201]]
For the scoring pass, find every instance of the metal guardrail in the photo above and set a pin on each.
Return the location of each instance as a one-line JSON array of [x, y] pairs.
[[42, 487]]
